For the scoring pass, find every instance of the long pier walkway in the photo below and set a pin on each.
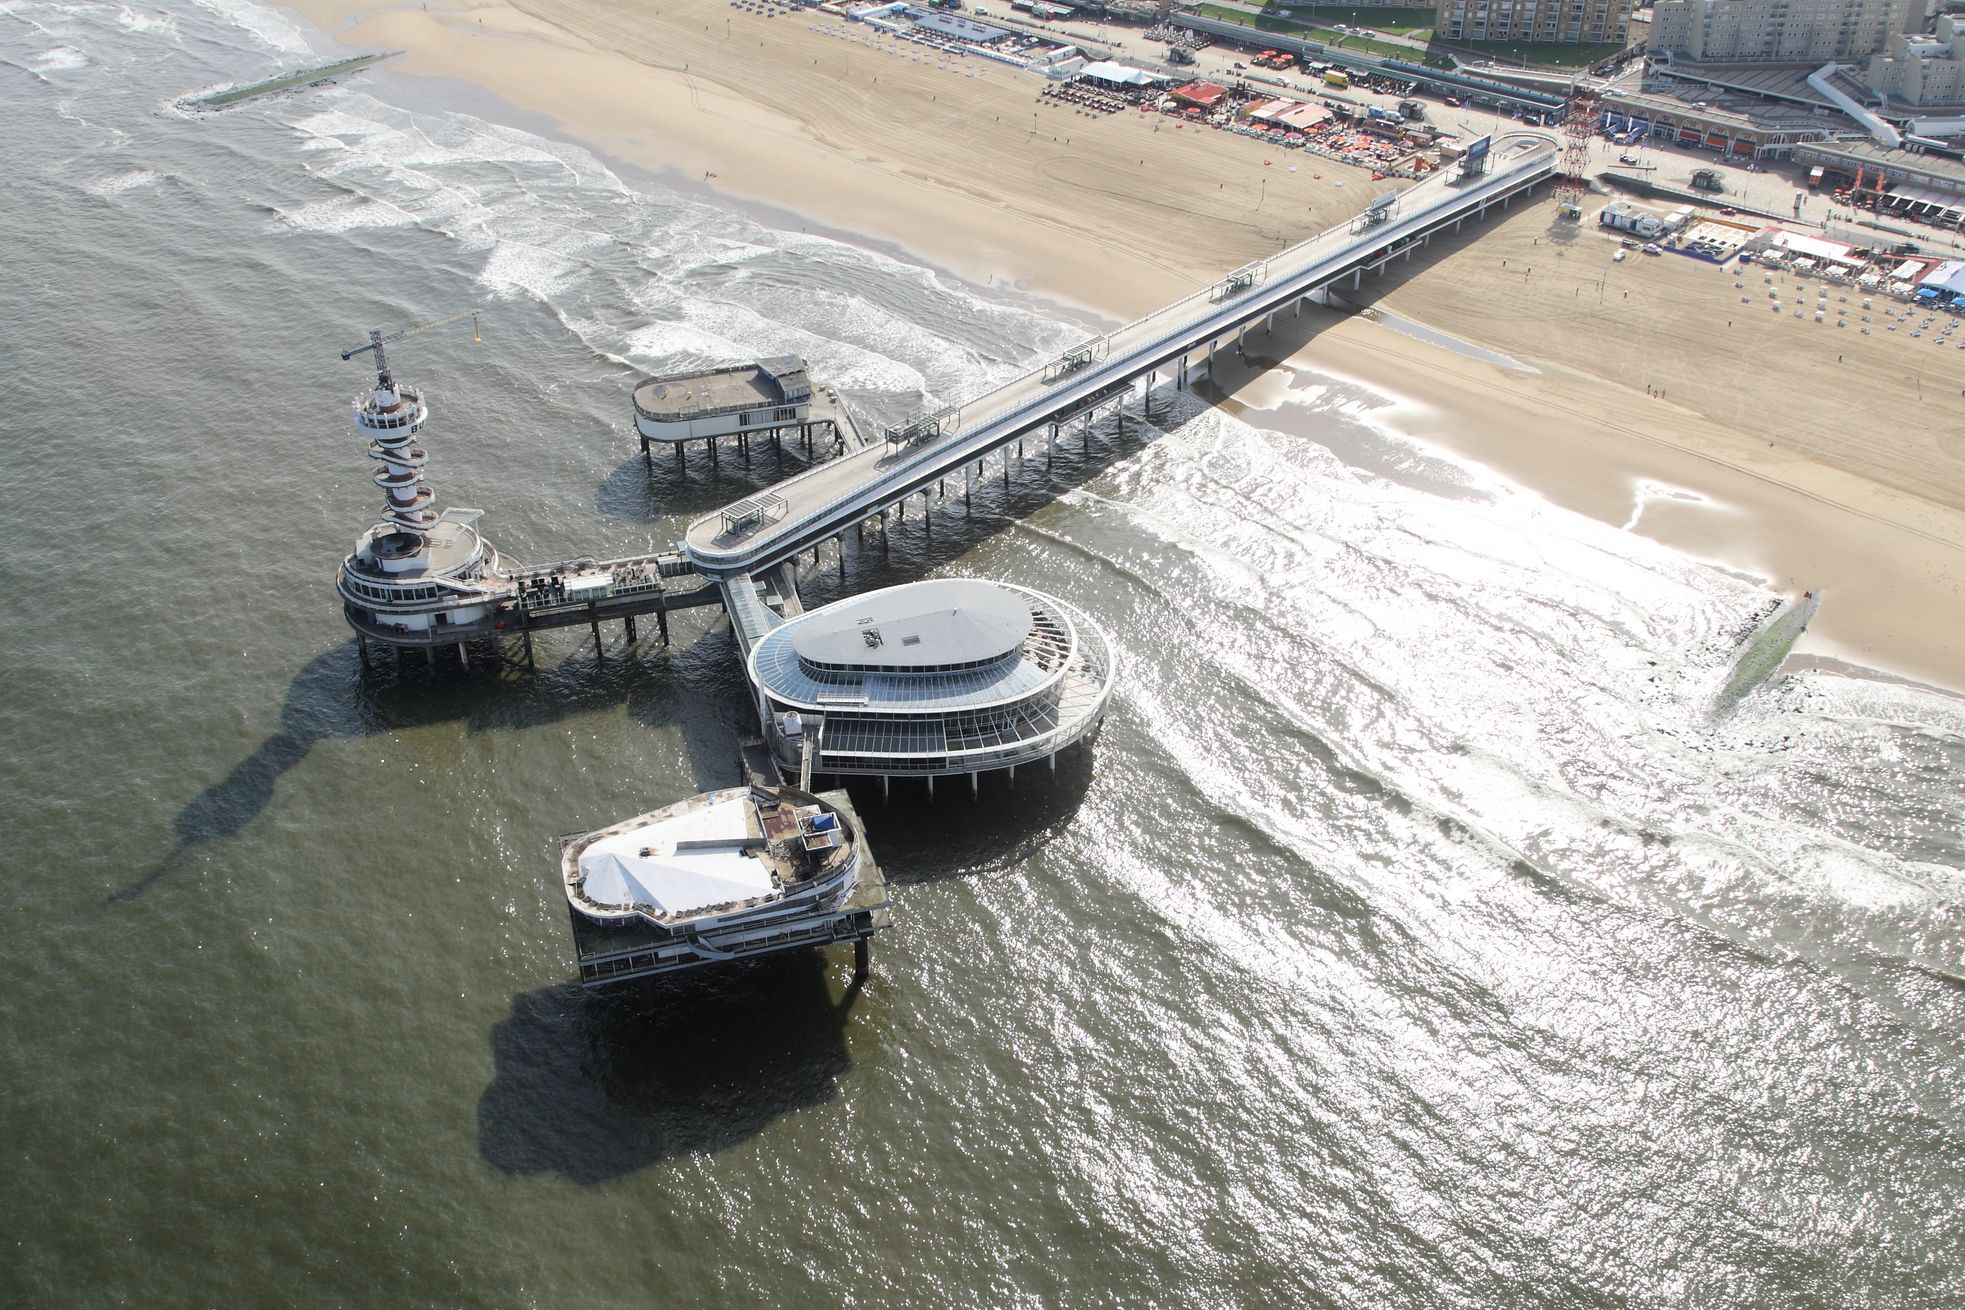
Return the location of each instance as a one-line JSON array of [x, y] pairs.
[[820, 503]]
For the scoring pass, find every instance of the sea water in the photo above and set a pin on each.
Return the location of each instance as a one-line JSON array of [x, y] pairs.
[[1424, 928]]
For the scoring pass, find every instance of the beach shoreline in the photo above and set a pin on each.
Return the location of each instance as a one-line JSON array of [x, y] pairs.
[[1649, 431]]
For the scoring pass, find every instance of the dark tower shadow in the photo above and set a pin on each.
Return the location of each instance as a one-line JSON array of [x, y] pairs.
[[334, 697]]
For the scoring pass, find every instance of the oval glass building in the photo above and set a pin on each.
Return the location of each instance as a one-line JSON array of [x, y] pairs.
[[949, 676]]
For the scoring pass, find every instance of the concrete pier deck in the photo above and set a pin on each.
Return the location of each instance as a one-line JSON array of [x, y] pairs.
[[821, 502]]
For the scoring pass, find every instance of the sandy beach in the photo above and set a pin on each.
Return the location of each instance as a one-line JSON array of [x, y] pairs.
[[1657, 393]]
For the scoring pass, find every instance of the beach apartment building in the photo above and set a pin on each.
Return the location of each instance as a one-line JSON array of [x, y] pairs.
[[1778, 31], [1586, 22], [1925, 71]]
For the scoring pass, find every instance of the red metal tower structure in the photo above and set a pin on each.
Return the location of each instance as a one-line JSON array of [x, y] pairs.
[[1579, 124]]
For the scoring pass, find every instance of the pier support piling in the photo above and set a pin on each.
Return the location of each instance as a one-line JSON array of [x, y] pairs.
[[628, 627], [862, 959], [526, 632]]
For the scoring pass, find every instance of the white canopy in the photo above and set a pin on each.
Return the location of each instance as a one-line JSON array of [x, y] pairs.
[[614, 872], [1797, 243], [1948, 276], [1107, 71]]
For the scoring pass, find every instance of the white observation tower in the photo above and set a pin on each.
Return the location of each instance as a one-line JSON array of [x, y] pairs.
[[419, 576]]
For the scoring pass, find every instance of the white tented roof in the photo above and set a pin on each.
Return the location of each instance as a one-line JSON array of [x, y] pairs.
[[1924, 195], [1107, 71], [1948, 276], [1795, 243], [615, 873]]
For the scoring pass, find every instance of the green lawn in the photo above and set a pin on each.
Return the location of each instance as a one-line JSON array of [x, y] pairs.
[[1284, 27], [1547, 54], [1416, 23]]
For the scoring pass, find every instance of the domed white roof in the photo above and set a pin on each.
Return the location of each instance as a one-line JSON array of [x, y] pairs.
[[921, 625]]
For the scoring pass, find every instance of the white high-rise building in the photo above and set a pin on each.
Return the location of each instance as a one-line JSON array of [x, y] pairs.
[[1774, 31], [1589, 22], [1923, 71]]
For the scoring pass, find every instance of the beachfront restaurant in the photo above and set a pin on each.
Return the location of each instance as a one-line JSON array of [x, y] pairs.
[[1199, 95]]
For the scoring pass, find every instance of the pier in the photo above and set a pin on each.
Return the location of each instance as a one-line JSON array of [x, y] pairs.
[[568, 594], [915, 456], [424, 579], [421, 577], [772, 400]]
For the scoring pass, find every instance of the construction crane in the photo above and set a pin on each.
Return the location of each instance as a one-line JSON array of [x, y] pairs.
[[376, 340]]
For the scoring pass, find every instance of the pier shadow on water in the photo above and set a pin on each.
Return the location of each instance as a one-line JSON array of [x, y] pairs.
[[1001, 827], [593, 1087], [334, 697]]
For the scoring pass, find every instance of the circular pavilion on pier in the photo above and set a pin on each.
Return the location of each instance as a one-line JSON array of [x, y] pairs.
[[932, 679]]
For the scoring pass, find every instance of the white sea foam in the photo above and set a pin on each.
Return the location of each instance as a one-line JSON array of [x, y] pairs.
[[1541, 677], [344, 214], [131, 20], [556, 224], [117, 183], [266, 25], [61, 59]]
